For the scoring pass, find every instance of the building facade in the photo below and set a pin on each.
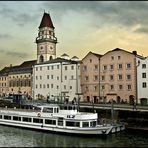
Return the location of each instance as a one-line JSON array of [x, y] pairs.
[[142, 80], [90, 66], [116, 74], [17, 79], [57, 79]]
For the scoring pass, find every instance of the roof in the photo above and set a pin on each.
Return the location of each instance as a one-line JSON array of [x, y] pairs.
[[28, 63], [59, 60], [22, 68], [46, 21], [95, 54]]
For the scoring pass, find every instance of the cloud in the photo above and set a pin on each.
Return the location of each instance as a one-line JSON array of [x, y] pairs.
[[13, 53], [5, 36], [124, 13]]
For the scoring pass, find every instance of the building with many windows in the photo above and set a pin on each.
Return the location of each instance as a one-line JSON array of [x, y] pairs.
[[57, 79], [142, 80], [17, 79], [116, 74]]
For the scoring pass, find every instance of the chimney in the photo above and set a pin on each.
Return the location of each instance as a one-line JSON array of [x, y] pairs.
[[134, 52]]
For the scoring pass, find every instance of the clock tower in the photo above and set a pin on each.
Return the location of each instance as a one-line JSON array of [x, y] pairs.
[[46, 40]]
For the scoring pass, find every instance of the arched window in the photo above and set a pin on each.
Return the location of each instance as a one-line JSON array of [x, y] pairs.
[[50, 58], [41, 59]]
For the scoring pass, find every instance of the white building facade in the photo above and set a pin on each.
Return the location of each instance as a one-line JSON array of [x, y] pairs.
[[57, 79], [142, 80]]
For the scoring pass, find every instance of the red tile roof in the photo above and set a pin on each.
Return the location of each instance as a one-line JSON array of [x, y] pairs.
[[46, 21]]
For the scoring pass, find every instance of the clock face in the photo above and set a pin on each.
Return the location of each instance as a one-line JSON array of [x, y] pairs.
[[41, 50], [50, 49]]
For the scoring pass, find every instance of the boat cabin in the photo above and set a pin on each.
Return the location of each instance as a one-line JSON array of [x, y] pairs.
[[48, 108]]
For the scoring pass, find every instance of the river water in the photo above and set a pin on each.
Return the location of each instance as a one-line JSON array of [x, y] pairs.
[[17, 137]]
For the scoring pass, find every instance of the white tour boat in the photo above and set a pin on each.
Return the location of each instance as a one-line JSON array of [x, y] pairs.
[[51, 118]]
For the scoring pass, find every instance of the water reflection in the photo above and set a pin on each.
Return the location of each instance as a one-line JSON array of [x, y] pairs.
[[16, 137]]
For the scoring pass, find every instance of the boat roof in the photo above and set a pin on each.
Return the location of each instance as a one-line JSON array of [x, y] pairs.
[[48, 105]]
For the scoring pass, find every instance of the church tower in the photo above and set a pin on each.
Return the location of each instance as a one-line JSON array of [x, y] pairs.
[[46, 40]]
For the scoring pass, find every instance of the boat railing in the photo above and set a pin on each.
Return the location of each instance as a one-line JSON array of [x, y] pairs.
[[18, 109]]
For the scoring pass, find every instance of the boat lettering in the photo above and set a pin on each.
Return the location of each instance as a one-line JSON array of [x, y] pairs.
[[70, 116]]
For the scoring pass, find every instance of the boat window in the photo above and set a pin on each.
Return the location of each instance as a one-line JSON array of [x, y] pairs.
[[60, 121], [16, 118], [48, 110], [7, 117], [70, 123], [37, 120], [37, 108], [85, 124], [26, 119], [53, 122], [93, 123], [55, 110], [0, 116]]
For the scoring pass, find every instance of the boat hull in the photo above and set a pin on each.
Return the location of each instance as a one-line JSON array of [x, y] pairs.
[[99, 130]]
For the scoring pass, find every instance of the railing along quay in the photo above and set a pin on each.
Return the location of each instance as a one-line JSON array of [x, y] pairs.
[[115, 106]]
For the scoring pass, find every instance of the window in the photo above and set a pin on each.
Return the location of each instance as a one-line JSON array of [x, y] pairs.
[[90, 60], [102, 87], [72, 77], [64, 86], [52, 122], [111, 77], [47, 67], [103, 78], [36, 77], [143, 75], [95, 77], [111, 87], [70, 87], [65, 77], [65, 67], [51, 76], [57, 66], [7, 117], [95, 67], [48, 110], [119, 66], [37, 120], [57, 86], [51, 85], [128, 77], [36, 86], [16, 118], [111, 67], [112, 58], [144, 84], [52, 67], [40, 68], [40, 77], [71, 123], [104, 67], [119, 77], [47, 76], [25, 119], [36, 68], [119, 57], [86, 78], [72, 67], [143, 66], [47, 85], [128, 65], [129, 87], [95, 88], [120, 87], [85, 124]]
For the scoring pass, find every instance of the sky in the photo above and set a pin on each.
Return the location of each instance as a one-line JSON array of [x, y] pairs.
[[80, 27]]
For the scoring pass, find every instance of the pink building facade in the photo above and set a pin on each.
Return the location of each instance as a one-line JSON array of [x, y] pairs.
[[116, 73]]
